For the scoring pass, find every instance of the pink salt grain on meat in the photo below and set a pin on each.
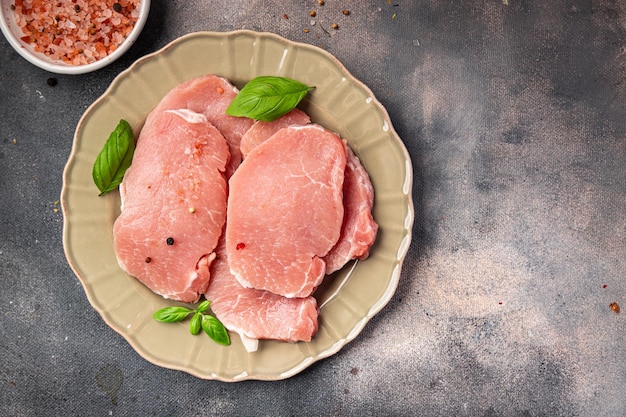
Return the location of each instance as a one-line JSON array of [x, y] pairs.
[[260, 130], [285, 210], [173, 205], [210, 95], [359, 229], [257, 314]]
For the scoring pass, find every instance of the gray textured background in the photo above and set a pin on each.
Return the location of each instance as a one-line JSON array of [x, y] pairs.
[[514, 113]]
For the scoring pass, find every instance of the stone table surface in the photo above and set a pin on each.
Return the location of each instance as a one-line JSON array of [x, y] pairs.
[[514, 114]]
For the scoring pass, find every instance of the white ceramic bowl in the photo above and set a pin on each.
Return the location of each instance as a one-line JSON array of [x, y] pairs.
[[13, 33]]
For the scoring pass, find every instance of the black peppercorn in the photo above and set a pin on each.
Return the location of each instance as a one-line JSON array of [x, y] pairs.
[[117, 7], [170, 241], [51, 82]]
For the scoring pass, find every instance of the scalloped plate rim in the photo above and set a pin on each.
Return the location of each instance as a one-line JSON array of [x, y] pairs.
[[380, 303]]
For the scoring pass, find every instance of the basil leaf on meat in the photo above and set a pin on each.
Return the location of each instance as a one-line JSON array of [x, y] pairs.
[[266, 98], [114, 158]]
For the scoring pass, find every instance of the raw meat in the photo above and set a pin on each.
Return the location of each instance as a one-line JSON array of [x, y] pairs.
[[359, 229], [173, 205], [260, 131], [257, 314], [211, 95], [285, 210]]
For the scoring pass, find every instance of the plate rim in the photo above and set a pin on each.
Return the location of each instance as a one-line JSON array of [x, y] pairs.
[[380, 303]]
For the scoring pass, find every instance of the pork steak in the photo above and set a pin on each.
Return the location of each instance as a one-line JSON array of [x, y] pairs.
[[211, 95], [285, 210], [260, 131], [173, 205], [358, 231], [258, 314]]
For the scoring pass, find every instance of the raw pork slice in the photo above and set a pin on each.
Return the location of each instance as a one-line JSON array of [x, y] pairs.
[[359, 229], [173, 205], [285, 210], [260, 130], [211, 95], [257, 314]]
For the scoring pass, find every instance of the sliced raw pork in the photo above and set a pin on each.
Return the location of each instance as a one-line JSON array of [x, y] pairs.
[[260, 130], [359, 229], [285, 210], [210, 95], [257, 314], [173, 205]]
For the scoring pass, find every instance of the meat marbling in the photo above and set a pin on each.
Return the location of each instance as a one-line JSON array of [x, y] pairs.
[[359, 229], [257, 314], [210, 95], [260, 130], [175, 189], [285, 210]]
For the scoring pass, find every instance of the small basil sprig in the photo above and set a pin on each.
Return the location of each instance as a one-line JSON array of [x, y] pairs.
[[266, 98], [200, 320], [114, 158]]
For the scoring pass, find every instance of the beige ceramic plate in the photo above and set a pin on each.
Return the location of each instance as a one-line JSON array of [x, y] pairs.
[[348, 299]]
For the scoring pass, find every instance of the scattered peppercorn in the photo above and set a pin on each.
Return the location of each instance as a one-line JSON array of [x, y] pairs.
[[169, 241], [148, 260], [240, 246], [12, 7], [312, 13], [346, 12], [614, 307], [51, 81], [77, 8], [334, 26], [320, 2], [117, 7]]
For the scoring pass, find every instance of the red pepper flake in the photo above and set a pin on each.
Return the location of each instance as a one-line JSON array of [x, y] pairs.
[[614, 307], [604, 286], [240, 246], [285, 16]]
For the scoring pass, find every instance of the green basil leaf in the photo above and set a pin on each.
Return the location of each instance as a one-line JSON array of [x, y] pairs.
[[171, 314], [203, 306], [266, 98], [216, 330], [196, 324], [114, 158]]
